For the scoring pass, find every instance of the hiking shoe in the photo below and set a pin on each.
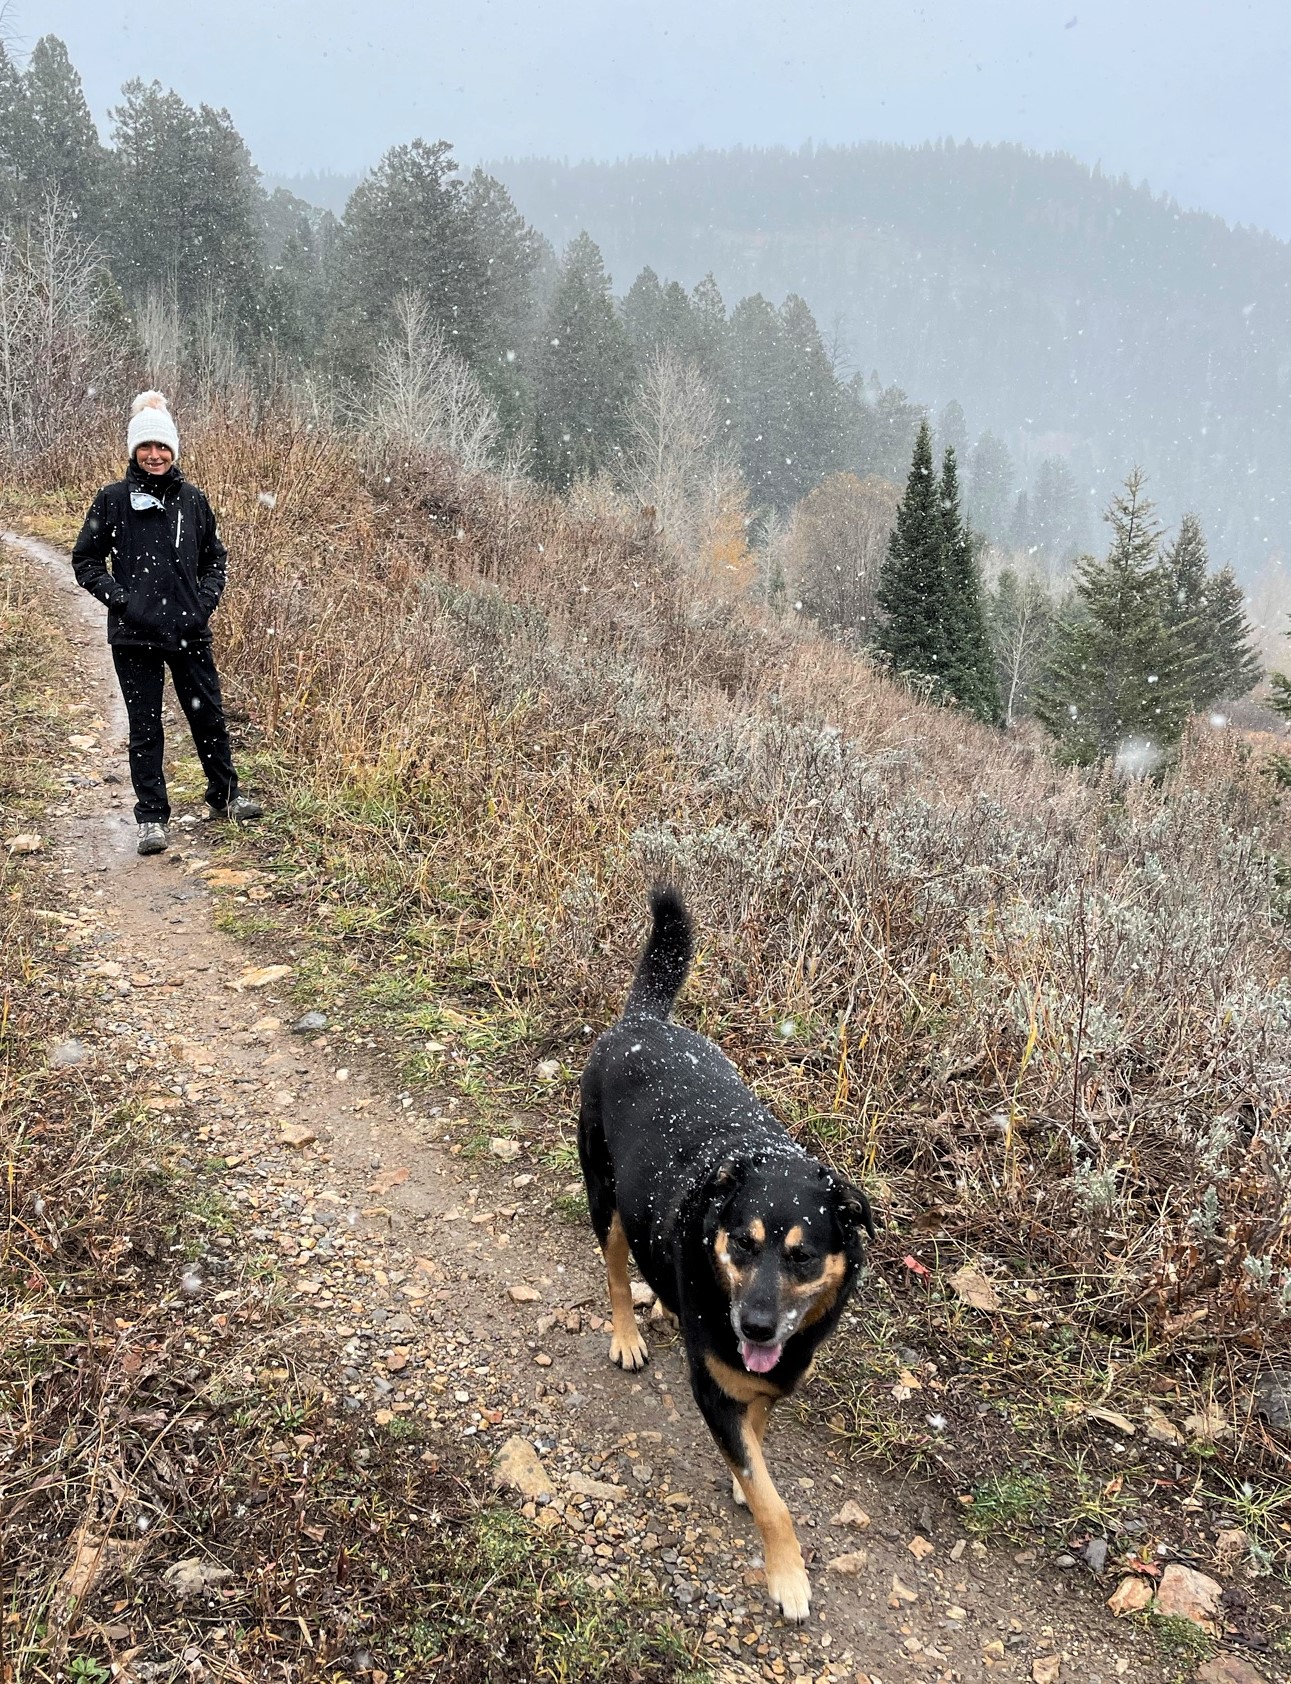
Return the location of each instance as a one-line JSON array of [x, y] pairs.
[[153, 839], [242, 807]]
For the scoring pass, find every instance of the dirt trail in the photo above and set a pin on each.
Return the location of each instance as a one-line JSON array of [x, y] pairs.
[[406, 1256]]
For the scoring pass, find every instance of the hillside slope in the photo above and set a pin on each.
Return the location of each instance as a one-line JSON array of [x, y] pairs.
[[1072, 314]]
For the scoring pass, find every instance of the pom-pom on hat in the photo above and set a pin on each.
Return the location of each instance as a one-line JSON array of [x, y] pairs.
[[151, 423]]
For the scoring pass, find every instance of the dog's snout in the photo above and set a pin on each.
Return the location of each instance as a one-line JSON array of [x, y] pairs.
[[759, 1322]]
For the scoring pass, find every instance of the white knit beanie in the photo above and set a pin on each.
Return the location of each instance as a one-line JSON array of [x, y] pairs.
[[151, 423]]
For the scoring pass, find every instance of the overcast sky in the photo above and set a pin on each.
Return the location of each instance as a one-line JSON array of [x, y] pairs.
[[1192, 95]]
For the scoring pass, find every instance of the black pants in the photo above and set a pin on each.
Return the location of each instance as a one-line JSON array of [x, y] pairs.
[[142, 674]]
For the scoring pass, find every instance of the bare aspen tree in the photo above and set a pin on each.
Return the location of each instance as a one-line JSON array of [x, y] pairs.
[[161, 337], [835, 547], [676, 461], [58, 350], [423, 397], [1022, 618], [214, 364]]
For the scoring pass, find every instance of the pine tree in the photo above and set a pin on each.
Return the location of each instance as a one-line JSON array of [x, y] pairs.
[[186, 205], [513, 254], [1233, 668], [788, 403], [66, 158], [1055, 510], [1207, 614], [952, 429], [711, 334], [912, 582], [970, 659], [294, 310], [814, 401], [15, 137], [583, 376], [409, 226], [990, 484], [1116, 683], [759, 398], [881, 426]]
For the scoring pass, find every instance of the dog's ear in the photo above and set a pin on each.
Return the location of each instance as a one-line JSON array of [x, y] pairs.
[[853, 1208], [719, 1190], [724, 1177]]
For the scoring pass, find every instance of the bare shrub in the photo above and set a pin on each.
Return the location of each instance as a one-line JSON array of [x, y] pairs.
[[835, 548]]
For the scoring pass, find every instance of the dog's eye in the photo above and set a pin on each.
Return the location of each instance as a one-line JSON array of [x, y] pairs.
[[804, 1263], [742, 1246]]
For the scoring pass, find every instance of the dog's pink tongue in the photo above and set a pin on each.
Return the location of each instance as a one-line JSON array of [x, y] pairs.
[[760, 1359]]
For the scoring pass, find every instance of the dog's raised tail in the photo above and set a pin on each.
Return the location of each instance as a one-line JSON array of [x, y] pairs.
[[662, 968]]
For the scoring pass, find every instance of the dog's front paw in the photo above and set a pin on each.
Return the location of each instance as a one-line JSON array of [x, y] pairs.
[[629, 1350], [737, 1493], [791, 1588]]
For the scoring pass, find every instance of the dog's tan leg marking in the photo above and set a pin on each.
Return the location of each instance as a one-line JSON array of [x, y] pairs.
[[627, 1347], [755, 1420], [786, 1576]]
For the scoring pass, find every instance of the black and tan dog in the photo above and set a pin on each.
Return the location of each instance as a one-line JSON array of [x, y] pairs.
[[752, 1244]]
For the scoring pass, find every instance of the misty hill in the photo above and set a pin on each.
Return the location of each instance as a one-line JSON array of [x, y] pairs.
[[1072, 314]]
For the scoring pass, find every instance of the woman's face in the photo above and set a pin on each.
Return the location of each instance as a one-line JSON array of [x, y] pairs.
[[154, 458]]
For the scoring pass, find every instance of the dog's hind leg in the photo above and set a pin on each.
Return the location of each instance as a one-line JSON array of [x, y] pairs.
[[738, 1427]]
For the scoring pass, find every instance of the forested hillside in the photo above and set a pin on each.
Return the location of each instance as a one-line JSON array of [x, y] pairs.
[[1072, 315]]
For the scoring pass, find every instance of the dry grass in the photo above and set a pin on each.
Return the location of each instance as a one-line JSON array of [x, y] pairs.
[[1045, 1017]]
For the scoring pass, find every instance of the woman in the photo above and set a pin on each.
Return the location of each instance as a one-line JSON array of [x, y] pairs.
[[167, 574]]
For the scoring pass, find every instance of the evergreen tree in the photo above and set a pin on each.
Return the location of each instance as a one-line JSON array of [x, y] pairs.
[[65, 155], [1207, 614], [814, 398], [1020, 532], [186, 207], [513, 254], [297, 240], [760, 409], [970, 659], [15, 137], [952, 430], [912, 581], [1116, 682], [643, 314], [787, 400], [409, 225], [1055, 510], [709, 326], [882, 424], [990, 484], [1232, 668], [583, 376]]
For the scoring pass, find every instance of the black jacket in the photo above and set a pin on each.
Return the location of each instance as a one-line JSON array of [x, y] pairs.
[[168, 564]]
